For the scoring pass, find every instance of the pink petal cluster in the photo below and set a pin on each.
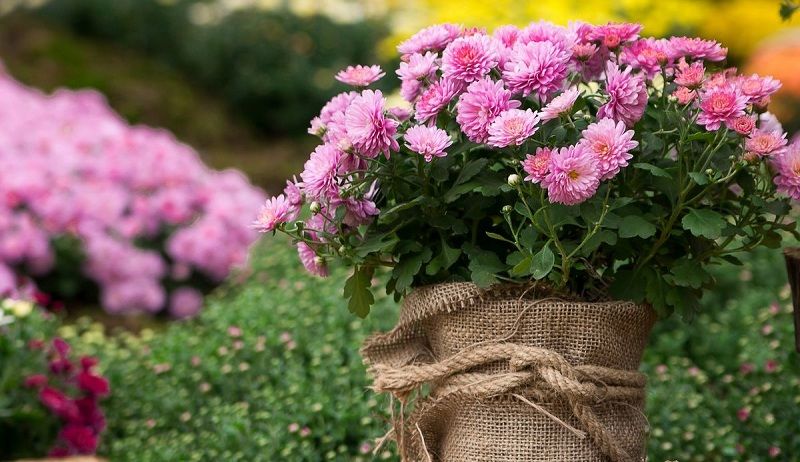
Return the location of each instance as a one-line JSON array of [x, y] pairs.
[[537, 166], [573, 176], [417, 68], [433, 38], [312, 263], [140, 206], [697, 48], [429, 142], [690, 75], [436, 98], [468, 59], [765, 142], [560, 105], [757, 88], [787, 166], [743, 125], [512, 128], [611, 144], [612, 35], [275, 211], [368, 128], [721, 105], [537, 67], [477, 108], [360, 76], [627, 96], [649, 55]]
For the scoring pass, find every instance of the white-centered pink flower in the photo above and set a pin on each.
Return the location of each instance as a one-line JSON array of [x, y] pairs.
[[360, 76], [560, 105], [512, 128], [573, 176], [428, 141]]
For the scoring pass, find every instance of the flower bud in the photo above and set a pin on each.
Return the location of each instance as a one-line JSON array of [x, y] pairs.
[[506, 209], [315, 207], [709, 172], [514, 180], [750, 157], [342, 249]]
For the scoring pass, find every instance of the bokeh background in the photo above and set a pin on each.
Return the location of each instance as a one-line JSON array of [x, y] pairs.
[[270, 369]]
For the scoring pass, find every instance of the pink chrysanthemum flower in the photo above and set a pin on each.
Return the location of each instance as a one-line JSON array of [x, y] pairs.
[[275, 211], [470, 58], [507, 35], [370, 131], [436, 98], [320, 172], [312, 263], [611, 35], [418, 67], [766, 143], [720, 105], [512, 128], [537, 166], [787, 166], [536, 67], [561, 104], [433, 38], [360, 76], [337, 104], [697, 48], [684, 95], [573, 176], [293, 193], [690, 75], [584, 51], [546, 31], [477, 108], [648, 54], [611, 144], [427, 141], [756, 88], [627, 96], [411, 89], [743, 125]]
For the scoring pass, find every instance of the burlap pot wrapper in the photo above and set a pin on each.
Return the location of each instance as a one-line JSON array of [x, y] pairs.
[[509, 374]]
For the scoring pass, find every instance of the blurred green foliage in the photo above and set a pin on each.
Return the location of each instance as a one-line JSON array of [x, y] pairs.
[[275, 69]]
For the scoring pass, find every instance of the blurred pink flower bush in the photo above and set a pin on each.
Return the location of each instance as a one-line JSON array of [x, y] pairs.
[[148, 217]]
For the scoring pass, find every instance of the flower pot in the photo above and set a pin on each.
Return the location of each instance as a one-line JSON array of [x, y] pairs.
[[513, 374]]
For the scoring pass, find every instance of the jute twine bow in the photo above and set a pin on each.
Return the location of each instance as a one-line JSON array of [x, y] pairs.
[[537, 372]]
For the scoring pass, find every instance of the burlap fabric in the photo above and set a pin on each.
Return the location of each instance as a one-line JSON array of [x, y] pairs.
[[513, 374]]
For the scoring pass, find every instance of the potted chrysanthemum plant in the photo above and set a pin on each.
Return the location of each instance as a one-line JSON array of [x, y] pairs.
[[543, 196]]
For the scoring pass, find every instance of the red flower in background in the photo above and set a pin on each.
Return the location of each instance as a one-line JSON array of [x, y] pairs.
[[81, 438], [35, 381], [93, 384]]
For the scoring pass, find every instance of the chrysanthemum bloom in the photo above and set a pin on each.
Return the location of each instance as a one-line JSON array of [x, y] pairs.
[[743, 125], [337, 104], [418, 66], [690, 75], [536, 67], [512, 127], [627, 96], [470, 58], [411, 89], [720, 105], [611, 35], [584, 51], [546, 31], [275, 211], [400, 113], [477, 108], [537, 166], [765, 143], [684, 95], [317, 127], [310, 261], [697, 48], [508, 35], [293, 193], [370, 131], [427, 141], [611, 144], [320, 172], [432, 38], [436, 98], [648, 54], [561, 104], [573, 176], [756, 88], [787, 166], [360, 76], [185, 302]]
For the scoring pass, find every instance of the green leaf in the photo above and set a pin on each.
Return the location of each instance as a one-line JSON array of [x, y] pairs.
[[542, 263], [699, 178], [357, 290], [483, 279], [704, 222], [636, 226], [656, 290], [628, 285], [599, 238], [471, 169], [527, 237], [499, 237], [702, 136], [689, 273], [655, 171], [522, 268], [459, 190], [376, 243], [483, 260], [443, 260], [405, 270]]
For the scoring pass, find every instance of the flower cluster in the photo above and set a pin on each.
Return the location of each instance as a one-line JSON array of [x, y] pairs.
[[141, 208], [72, 392], [569, 109]]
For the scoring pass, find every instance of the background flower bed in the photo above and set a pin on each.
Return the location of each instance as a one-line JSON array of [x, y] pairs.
[[295, 388]]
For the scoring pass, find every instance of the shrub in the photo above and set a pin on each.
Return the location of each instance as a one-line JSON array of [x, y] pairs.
[[265, 63], [93, 208]]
